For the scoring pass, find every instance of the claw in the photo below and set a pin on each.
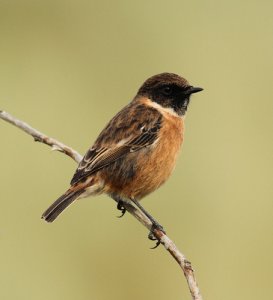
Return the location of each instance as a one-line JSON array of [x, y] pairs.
[[121, 208], [123, 211], [151, 235], [156, 245]]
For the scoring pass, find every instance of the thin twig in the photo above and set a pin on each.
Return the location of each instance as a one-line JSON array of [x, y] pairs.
[[40, 137], [161, 236]]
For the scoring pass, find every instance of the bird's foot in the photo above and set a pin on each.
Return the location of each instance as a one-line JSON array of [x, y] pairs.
[[152, 237], [120, 206]]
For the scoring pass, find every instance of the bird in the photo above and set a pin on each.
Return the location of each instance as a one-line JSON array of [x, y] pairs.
[[137, 150]]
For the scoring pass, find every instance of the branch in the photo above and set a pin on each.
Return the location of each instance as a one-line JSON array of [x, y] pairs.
[[40, 137], [169, 245]]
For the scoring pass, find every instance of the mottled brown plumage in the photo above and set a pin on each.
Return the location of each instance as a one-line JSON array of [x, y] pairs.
[[137, 150]]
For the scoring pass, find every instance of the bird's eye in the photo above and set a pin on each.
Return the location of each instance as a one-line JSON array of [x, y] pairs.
[[167, 90]]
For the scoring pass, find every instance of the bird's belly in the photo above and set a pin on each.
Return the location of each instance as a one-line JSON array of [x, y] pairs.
[[157, 168], [150, 167]]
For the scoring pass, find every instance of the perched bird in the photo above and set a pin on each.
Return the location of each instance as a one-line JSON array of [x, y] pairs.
[[136, 152]]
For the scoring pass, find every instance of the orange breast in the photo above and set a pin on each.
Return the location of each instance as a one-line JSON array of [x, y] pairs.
[[155, 165]]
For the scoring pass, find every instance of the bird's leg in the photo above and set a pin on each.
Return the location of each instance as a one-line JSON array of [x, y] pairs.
[[120, 205], [155, 224]]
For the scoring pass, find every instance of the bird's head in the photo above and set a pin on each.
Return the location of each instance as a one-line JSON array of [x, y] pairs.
[[169, 90]]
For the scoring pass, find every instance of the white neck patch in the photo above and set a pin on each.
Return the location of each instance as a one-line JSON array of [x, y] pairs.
[[163, 110]]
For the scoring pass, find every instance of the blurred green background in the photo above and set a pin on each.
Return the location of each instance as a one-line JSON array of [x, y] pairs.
[[66, 67]]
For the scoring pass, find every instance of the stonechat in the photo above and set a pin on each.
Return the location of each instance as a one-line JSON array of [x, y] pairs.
[[136, 152]]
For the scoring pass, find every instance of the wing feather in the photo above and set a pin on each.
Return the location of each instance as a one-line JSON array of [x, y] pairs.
[[120, 138]]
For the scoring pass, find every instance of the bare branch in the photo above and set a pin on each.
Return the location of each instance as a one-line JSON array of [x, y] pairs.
[[161, 236], [40, 137]]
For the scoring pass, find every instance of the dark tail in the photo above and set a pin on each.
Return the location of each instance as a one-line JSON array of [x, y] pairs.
[[60, 204]]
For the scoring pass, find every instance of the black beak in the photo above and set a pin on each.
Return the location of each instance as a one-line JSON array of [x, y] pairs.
[[192, 90]]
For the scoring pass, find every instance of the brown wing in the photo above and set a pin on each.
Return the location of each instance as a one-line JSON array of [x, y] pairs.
[[135, 127]]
